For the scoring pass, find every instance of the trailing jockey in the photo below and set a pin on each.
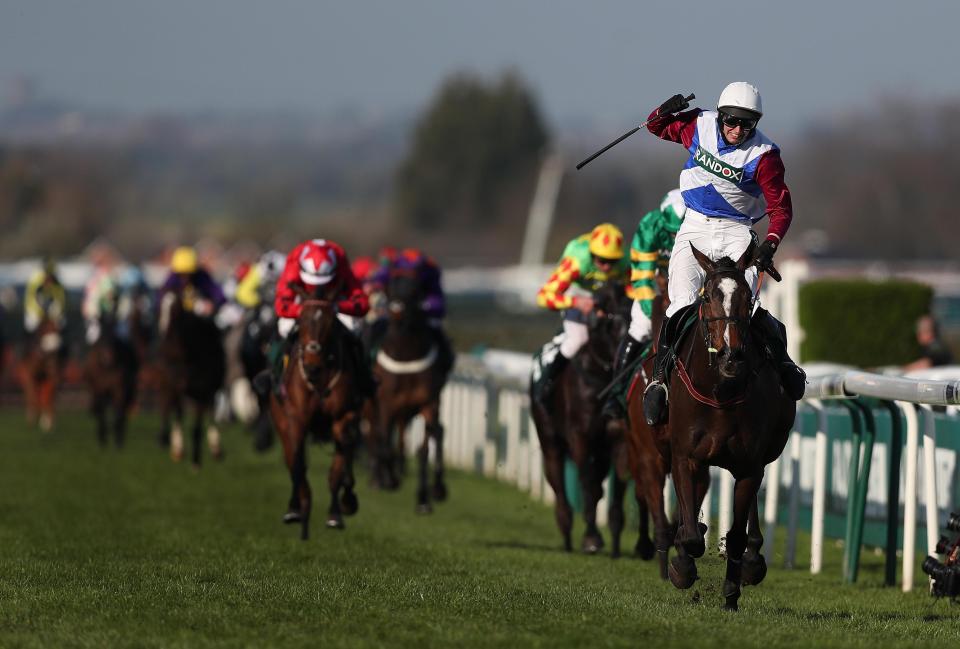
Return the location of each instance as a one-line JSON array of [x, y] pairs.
[[649, 253], [587, 260], [100, 296], [44, 297], [197, 289], [732, 179], [313, 264]]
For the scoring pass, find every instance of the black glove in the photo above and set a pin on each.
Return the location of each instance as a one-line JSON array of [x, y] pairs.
[[763, 257], [673, 105]]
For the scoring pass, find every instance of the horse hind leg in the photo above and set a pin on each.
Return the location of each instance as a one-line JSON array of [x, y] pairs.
[[592, 474], [616, 515], [440, 491], [198, 437], [335, 482], [348, 499], [214, 442], [553, 460]]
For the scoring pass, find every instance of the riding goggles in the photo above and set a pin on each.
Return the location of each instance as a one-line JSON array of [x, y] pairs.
[[732, 121]]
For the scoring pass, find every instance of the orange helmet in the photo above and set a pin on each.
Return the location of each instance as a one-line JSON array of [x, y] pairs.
[[606, 241]]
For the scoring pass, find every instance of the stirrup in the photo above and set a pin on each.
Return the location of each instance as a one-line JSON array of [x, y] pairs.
[[655, 401]]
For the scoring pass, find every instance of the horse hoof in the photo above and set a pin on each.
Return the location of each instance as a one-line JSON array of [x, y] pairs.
[[176, 457], [335, 522], [754, 569], [682, 572], [424, 508], [731, 593], [349, 503], [592, 544], [644, 549], [292, 517], [615, 554], [439, 491]]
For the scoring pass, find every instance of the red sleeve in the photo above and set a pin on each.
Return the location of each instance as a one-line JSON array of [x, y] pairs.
[[353, 301], [769, 176], [675, 128], [286, 301]]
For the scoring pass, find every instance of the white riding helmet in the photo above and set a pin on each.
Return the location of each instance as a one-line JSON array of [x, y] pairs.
[[741, 99], [271, 265]]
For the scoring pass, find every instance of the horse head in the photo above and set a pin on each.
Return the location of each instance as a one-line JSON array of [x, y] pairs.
[[726, 305], [404, 295], [610, 318], [315, 324]]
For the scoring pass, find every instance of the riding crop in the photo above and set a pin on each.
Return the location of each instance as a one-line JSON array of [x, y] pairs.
[[629, 133]]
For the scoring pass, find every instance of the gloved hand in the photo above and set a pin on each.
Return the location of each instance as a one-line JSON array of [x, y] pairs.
[[583, 303], [763, 257], [673, 105]]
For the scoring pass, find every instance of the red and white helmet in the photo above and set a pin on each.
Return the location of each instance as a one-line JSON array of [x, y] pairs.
[[318, 262]]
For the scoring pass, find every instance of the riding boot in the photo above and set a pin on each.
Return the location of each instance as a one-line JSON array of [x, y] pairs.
[[366, 384], [543, 389], [655, 396], [774, 338], [270, 376], [627, 353]]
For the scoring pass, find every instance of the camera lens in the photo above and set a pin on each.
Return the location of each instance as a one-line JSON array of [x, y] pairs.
[[932, 567], [953, 523]]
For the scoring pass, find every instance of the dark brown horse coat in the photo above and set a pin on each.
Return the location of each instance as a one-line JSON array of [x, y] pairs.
[[730, 412]]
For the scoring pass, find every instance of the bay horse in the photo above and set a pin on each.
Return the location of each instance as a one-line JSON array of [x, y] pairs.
[[726, 409], [110, 369], [40, 372], [191, 369], [318, 393], [411, 368], [569, 425]]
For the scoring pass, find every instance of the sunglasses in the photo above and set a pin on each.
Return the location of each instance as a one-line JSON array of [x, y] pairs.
[[733, 122]]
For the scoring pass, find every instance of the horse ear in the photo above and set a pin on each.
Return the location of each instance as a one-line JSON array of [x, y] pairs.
[[702, 259], [747, 256]]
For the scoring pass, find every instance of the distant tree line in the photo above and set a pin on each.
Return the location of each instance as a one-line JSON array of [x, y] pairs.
[[459, 179]]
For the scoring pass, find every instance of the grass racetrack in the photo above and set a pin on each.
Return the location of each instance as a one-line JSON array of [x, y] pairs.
[[123, 548]]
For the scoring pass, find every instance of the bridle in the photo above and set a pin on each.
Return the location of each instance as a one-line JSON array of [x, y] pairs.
[[742, 323], [315, 347]]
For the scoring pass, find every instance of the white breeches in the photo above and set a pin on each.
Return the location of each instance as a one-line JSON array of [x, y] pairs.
[[575, 336], [713, 237], [285, 326], [640, 324]]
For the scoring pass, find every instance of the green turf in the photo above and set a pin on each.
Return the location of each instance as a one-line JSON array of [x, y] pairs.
[[108, 548]]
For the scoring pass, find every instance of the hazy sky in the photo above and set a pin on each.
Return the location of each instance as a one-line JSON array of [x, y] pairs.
[[607, 60]]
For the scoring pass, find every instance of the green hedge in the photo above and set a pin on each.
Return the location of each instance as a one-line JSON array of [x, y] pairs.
[[862, 323]]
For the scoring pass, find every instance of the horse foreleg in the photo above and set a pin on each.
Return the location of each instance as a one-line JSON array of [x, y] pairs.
[[423, 472], [689, 539], [744, 500], [197, 435], [754, 564], [553, 461], [616, 514], [593, 468], [434, 430]]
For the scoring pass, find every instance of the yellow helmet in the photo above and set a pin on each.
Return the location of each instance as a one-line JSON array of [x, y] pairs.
[[184, 260], [606, 241]]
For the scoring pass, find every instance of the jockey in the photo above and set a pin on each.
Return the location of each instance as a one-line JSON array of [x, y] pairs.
[[259, 284], [312, 264], [198, 290], [592, 257], [649, 252], [365, 269], [733, 178], [99, 300], [133, 295], [44, 297]]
